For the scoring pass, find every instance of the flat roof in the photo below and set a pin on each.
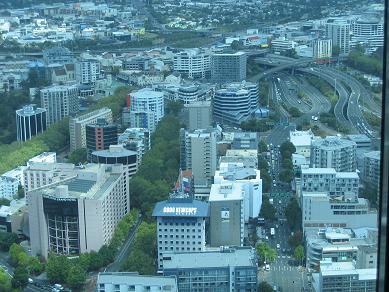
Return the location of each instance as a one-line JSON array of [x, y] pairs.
[[181, 207], [133, 278], [226, 191], [318, 171], [236, 257]]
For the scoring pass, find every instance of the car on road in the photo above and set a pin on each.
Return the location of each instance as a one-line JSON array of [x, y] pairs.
[[279, 202], [267, 267], [278, 246]]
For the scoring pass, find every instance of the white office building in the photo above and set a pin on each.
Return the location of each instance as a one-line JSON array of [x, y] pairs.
[[78, 214], [77, 126], [339, 31], [343, 276], [180, 226], [59, 101], [251, 183], [8, 187], [341, 245], [368, 32], [371, 172], [322, 49], [248, 157], [334, 152], [130, 281], [319, 210], [282, 44], [146, 109], [87, 71], [193, 63], [345, 184]]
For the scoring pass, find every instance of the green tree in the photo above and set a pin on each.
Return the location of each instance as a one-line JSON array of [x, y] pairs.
[[20, 277], [15, 252], [265, 252], [299, 253], [293, 215], [262, 164], [295, 239], [76, 276], [265, 287], [295, 112], [266, 181], [286, 175], [57, 268], [5, 281], [262, 147], [4, 202], [139, 261], [267, 210], [7, 239], [78, 156], [286, 149], [287, 163], [236, 45]]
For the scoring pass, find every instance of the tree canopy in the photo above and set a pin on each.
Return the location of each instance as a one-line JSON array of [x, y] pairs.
[[293, 215], [265, 252]]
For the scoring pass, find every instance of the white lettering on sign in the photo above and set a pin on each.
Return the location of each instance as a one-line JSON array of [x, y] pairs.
[[180, 210]]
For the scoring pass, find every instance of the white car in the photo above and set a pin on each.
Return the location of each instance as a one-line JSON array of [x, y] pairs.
[[267, 267], [278, 246]]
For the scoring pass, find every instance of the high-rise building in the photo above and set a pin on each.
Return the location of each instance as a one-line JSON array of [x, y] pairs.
[[100, 136], [227, 214], [319, 210], [339, 31], [228, 67], [87, 71], [77, 126], [116, 154], [322, 49], [235, 103], [224, 269], [343, 276], [334, 152], [192, 63], [251, 185], [200, 115], [8, 187], [368, 32], [30, 121], [130, 281], [59, 101], [198, 153], [371, 172], [146, 109], [329, 180], [78, 214], [180, 226]]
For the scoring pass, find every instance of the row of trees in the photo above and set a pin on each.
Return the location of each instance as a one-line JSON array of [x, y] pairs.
[[368, 64], [287, 173]]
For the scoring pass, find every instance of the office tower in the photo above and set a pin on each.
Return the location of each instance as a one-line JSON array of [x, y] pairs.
[[227, 216], [235, 102], [198, 153], [200, 115], [136, 139], [339, 31], [334, 152], [342, 245], [188, 93], [192, 63], [320, 210], [343, 276], [224, 269], [251, 185], [59, 101], [371, 172], [131, 281], [100, 136], [322, 49], [116, 154], [146, 109], [228, 67], [336, 184], [368, 31], [30, 121], [77, 126], [87, 71], [180, 226], [78, 214]]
